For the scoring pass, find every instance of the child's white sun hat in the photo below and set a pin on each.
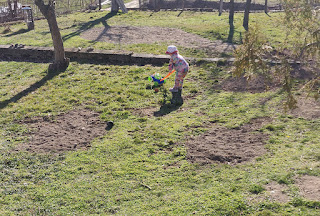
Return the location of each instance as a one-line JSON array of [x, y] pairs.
[[171, 49]]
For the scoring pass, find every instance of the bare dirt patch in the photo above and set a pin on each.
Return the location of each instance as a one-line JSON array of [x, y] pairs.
[[277, 192], [309, 187], [307, 108], [231, 146], [274, 192], [150, 35], [69, 131], [260, 83], [255, 85]]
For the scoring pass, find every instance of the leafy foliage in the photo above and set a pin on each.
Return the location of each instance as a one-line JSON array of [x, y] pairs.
[[250, 55], [302, 46]]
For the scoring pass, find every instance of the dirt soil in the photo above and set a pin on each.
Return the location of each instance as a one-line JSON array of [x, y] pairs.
[[277, 192], [255, 85], [231, 146], [69, 131], [150, 35], [307, 108], [309, 187]]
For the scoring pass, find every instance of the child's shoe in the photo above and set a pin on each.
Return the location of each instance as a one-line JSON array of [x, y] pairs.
[[173, 89]]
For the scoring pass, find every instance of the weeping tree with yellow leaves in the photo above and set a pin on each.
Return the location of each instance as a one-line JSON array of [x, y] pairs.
[[254, 57]]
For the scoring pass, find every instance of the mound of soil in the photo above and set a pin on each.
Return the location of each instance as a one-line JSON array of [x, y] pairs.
[[149, 35], [70, 131], [232, 146]]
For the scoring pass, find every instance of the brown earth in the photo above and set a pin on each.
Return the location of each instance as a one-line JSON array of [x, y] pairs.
[[231, 146], [149, 35], [69, 131], [277, 192], [307, 108], [255, 85], [309, 187]]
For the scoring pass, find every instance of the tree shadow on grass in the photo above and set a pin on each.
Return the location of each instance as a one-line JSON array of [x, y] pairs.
[[29, 90], [20, 31], [90, 24]]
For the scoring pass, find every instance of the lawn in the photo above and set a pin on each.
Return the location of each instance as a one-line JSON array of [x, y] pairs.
[[208, 25], [143, 164]]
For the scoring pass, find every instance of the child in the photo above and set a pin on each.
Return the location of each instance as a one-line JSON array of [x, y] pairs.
[[181, 66]]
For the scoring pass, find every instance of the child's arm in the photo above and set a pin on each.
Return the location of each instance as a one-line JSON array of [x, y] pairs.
[[171, 72], [171, 64]]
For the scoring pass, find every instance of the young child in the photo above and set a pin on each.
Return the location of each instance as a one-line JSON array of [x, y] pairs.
[[181, 66]]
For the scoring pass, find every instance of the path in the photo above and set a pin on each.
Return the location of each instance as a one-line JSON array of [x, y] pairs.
[[132, 4]]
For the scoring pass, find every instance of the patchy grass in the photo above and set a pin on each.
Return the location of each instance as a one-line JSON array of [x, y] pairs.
[[140, 167], [208, 25]]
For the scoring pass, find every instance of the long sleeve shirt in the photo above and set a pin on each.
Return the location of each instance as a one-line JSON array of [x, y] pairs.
[[178, 63]]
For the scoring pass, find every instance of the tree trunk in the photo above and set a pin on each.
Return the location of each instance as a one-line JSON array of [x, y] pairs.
[[100, 5], [231, 18], [266, 6], [220, 7], [114, 6], [60, 61], [10, 9], [246, 15], [15, 8]]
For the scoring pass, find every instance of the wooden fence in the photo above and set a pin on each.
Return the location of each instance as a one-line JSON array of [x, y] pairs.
[[62, 7]]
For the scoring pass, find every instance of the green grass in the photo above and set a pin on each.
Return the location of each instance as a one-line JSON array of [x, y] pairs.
[[208, 25], [140, 167]]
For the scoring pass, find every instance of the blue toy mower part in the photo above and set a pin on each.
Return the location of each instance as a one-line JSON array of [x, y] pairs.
[[159, 81]]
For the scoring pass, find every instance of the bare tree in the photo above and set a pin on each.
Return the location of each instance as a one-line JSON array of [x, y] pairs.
[[15, 8], [48, 11], [10, 9], [231, 20], [266, 6], [116, 4], [246, 15], [221, 7]]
